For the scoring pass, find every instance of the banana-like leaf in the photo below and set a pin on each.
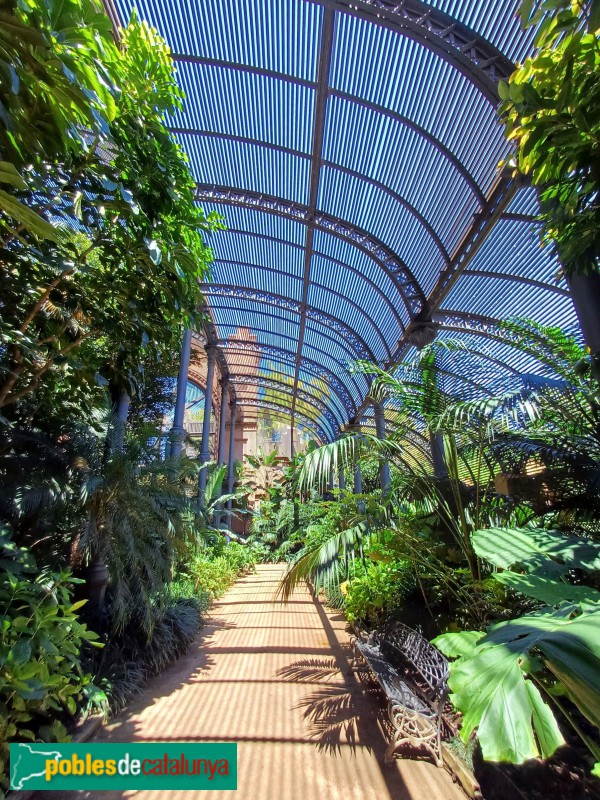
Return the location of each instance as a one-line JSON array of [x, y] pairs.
[[29, 218], [10, 174], [490, 686], [546, 589], [535, 550], [322, 461]]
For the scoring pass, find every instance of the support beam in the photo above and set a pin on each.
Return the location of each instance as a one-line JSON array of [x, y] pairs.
[[436, 443], [221, 446], [223, 420], [384, 467], [585, 293], [230, 459], [341, 479], [204, 447], [354, 428], [121, 414], [357, 478], [177, 432]]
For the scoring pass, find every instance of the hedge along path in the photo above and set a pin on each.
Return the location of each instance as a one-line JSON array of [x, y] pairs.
[[275, 678]]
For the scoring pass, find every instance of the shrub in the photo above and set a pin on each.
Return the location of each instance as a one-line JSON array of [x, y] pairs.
[[375, 590], [241, 557], [131, 659], [42, 682]]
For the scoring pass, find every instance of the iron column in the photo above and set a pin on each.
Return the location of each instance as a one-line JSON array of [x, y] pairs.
[[211, 352], [177, 432]]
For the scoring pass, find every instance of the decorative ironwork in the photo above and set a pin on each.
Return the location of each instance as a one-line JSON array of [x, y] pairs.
[[481, 228], [392, 265], [312, 367], [472, 54], [271, 383], [212, 338], [405, 281], [242, 293], [359, 346], [310, 423]]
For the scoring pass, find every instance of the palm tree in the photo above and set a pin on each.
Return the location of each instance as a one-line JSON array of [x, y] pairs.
[[139, 518], [552, 419]]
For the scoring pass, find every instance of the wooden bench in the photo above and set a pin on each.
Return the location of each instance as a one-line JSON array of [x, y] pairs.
[[414, 675]]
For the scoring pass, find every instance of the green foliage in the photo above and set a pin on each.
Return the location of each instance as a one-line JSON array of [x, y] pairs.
[[214, 500], [41, 678], [536, 551], [551, 108], [129, 660], [331, 545], [493, 688], [111, 280], [55, 82], [375, 589], [497, 677], [214, 570], [139, 519]]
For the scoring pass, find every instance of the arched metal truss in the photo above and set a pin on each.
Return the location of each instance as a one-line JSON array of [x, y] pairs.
[[265, 382], [284, 337], [422, 278], [358, 345], [309, 422], [318, 405], [287, 356], [390, 263], [463, 48]]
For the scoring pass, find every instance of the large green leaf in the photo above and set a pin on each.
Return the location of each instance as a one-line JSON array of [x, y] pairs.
[[28, 218], [10, 174], [490, 685], [536, 550], [547, 590]]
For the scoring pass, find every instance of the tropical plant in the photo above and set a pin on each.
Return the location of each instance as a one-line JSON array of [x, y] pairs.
[[139, 519], [263, 475], [129, 660], [374, 589], [211, 505], [551, 110], [118, 207], [42, 683], [508, 679]]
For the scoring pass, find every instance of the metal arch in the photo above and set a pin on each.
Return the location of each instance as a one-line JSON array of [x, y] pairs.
[[333, 260], [279, 359], [310, 423], [482, 226], [266, 382], [393, 266], [288, 357], [507, 276], [271, 383], [285, 336], [359, 345], [443, 149], [335, 413], [464, 49], [421, 219], [344, 298], [421, 131], [476, 324], [291, 362]]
